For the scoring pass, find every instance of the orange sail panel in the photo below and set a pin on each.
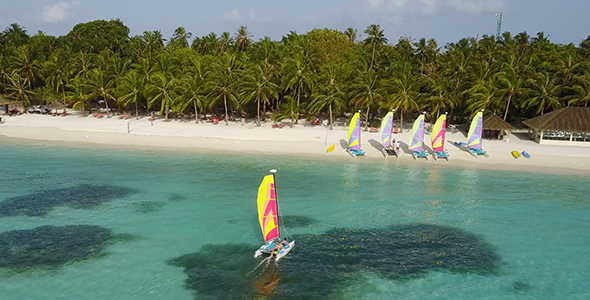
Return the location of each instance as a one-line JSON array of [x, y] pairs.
[[267, 208]]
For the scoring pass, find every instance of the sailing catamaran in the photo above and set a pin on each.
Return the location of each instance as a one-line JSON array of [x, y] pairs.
[[354, 136], [417, 137], [437, 137], [268, 217], [474, 136], [390, 146]]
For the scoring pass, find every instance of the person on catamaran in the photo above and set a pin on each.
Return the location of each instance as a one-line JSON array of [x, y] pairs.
[[284, 243]]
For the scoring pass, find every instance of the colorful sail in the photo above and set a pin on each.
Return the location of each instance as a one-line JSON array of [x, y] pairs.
[[438, 134], [417, 134], [474, 135], [267, 208], [386, 129], [354, 133]]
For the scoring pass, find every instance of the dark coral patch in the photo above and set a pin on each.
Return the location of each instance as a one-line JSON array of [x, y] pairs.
[[41, 203], [297, 221], [149, 206], [320, 263], [51, 246]]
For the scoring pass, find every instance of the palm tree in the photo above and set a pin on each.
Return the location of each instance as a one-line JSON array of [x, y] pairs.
[[57, 73], [223, 83], [544, 90], [289, 109], [511, 80], [102, 86], [243, 38], [77, 93], [329, 94], [161, 90], [351, 34], [581, 89], [366, 91], [130, 88], [22, 62], [298, 77], [440, 98], [19, 89], [258, 85], [484, 94], [375, 39], [403, 90], [182, 36], [193, 86]]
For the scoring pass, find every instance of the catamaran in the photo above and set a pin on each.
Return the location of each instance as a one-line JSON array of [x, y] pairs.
[[390, 146], [268, 207], [354, 136], [417, 137], [437, 137], [474, 136]]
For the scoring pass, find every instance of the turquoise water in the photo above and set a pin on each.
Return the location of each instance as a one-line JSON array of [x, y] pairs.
[[536, 224]]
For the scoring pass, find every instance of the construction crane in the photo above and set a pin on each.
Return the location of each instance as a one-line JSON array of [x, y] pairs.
[[499, 29]]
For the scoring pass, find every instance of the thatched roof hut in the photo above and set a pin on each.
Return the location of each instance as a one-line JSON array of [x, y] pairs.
[[567, 124], [491, 121], [495, 127]]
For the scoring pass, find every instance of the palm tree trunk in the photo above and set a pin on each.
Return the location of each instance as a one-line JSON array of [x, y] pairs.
[[298, 98], [401, 120], [330, 109], [367, 120], [507, 106], [106, 101], [258, 110], [225, 105], [196, 111], [373, 56], [136, 109]]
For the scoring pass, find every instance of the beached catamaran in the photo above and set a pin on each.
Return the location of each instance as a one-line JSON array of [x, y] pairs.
[[354, 136], [474, 136], [268, 216], [390, 146], [437, 137], [417, 138]]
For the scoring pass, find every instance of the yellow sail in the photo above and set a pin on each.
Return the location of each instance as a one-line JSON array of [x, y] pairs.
[[267, 208]]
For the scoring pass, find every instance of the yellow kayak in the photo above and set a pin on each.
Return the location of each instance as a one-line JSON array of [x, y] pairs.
[[515, 154], [330, 149]]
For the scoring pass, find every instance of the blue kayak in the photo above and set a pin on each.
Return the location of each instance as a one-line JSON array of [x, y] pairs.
[[525, 154]]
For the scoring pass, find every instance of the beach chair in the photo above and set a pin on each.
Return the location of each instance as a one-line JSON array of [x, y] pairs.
[[100, 116], [63, 114], [95, 114], [373, 129]]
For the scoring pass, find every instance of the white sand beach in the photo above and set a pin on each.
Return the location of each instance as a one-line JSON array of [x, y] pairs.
[[302, 140]]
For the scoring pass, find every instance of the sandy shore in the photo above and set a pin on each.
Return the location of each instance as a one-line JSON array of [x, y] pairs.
[[301, 140]]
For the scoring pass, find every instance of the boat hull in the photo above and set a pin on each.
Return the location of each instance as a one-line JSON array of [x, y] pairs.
[[441, 154], [267, 249], [419, 154], [389, 151]]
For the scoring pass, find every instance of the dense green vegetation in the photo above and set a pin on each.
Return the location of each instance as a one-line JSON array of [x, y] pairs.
[[327, 72]]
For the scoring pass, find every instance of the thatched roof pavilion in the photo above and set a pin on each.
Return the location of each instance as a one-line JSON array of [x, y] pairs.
[[566, 124]]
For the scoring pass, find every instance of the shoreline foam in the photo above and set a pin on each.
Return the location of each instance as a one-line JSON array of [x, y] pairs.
[[300, 141]]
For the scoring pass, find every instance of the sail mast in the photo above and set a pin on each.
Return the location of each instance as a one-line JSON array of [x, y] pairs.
[[273, 171]]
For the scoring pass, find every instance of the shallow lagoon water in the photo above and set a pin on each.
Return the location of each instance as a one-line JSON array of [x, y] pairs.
[[179, 204]]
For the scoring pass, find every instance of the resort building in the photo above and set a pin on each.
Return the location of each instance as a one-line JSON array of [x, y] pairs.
[[566, 126]]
